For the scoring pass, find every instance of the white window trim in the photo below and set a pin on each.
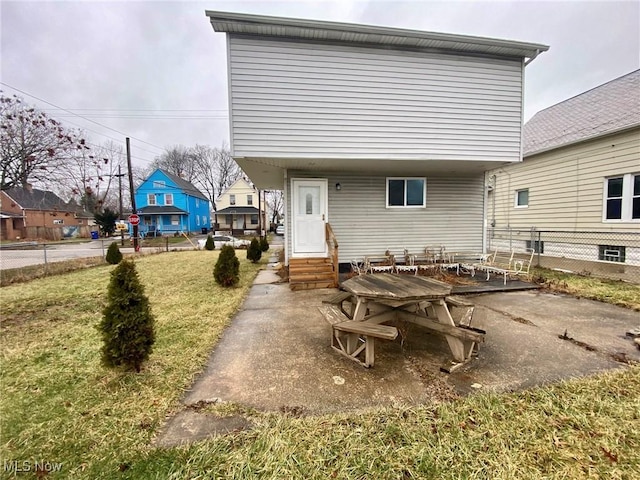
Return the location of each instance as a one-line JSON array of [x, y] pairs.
[[159, 184], [424, 192], [627, 199], [515, 200], [151, 199], [166, 196]]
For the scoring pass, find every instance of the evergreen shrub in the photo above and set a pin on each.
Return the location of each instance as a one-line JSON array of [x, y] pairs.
[[227, 269], [264, 244], [253, 252], [127, 325], [114, 256], [209, 245]]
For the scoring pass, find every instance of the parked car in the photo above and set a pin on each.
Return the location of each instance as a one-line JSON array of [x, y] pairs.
[[280, 230], [220, 240]]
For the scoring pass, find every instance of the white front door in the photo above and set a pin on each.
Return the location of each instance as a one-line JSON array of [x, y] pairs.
[[309, 214]]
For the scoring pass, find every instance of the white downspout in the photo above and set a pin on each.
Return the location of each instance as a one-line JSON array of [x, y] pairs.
[[287, 219]]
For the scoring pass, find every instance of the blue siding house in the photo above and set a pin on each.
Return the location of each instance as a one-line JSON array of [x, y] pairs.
[[168, 204]]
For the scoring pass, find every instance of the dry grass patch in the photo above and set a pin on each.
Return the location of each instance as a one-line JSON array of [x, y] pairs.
[[25, 274], [60, 404], [587, 428], [615, 292]]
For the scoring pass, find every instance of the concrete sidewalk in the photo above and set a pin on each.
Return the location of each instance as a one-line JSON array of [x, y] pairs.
[[276, 356]]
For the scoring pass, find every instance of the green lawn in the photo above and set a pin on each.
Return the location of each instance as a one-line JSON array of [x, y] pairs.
[[59, 404]]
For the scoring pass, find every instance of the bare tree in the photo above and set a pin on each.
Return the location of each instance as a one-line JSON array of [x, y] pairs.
[[179, 161], [34, 147], [216, 170], [92, 177], [275, 202]]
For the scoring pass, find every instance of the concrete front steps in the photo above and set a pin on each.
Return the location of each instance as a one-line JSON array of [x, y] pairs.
[[310, 273]]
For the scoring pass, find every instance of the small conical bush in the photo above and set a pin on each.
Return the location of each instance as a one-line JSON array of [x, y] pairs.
[[209, 245], [264, 244], [253, 252], [127, 325], [114, 256], [227, 270]]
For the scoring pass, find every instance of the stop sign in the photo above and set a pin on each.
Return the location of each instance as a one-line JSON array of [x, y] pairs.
[[134, 219]]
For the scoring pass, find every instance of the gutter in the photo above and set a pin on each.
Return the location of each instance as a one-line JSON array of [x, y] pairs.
[[531, 59]]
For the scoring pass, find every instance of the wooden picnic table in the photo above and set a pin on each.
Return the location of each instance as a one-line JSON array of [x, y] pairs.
[[380, 298]]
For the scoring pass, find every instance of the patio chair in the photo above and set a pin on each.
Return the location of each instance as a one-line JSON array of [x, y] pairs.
[[358, 266], [386, 263], [409, 264]]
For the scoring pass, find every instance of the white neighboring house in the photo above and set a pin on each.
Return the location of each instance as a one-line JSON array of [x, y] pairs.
[[239, 208], [382, 134], [578, 187]]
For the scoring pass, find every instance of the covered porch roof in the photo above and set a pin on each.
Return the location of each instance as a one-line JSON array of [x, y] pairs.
[[269, 173], [161, 210], [238, 211]]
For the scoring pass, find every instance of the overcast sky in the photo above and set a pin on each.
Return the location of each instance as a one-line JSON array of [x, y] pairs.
[[155, 59]]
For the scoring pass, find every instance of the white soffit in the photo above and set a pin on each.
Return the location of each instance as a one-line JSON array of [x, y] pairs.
[[245, 24]]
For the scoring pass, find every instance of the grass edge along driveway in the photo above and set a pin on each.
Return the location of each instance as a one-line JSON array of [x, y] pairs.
[[59, 405]]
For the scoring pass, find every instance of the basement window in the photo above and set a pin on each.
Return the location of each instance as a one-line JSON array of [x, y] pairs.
[[611, 253]]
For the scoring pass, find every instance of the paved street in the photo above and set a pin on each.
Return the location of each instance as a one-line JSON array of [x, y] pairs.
[[37, 254], [27, 254]]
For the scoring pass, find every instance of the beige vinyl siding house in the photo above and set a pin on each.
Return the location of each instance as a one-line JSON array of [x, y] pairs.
[[238, 209], [581, 173], [381, 134]]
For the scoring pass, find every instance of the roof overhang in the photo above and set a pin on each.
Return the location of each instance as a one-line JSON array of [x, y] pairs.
[[161, 210], [238, 211], [10, 215], [269, 173], [315, 30]]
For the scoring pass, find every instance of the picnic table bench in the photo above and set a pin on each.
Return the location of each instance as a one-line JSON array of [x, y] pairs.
[[378, 299]]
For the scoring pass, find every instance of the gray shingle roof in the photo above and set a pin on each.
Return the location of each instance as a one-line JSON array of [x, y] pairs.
[[161, 209], [238, 211], [605, 109], [187, 187], [35, 199]]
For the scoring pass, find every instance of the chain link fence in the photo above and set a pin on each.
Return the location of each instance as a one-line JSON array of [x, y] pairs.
[[25, 260], [614, 255]]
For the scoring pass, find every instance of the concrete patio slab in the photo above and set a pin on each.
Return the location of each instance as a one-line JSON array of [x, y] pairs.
[[276, 354]]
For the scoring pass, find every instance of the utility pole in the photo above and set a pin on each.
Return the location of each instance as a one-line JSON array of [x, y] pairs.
[[119, 175], [136, 246]]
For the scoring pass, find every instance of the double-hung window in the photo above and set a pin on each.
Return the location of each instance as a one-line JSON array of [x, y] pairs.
[[168, 198], [151, 199], [622, 198], [249, 199], [232, 199], [410, 192]]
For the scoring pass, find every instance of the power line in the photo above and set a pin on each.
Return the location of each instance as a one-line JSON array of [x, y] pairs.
[[80, 116], [148, 117], [142, 110]]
